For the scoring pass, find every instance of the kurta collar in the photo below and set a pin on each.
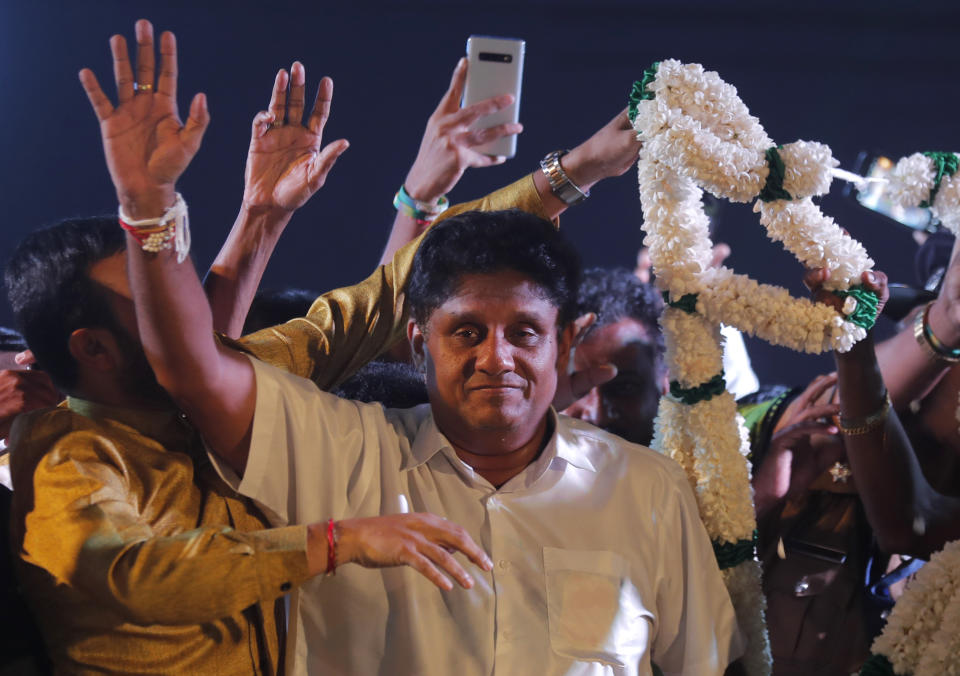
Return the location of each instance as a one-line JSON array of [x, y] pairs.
[[167, 426]]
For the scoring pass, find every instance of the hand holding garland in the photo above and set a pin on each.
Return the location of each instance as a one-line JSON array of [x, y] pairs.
[[907, 515]]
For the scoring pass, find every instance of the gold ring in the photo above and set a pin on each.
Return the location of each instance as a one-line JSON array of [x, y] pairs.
[[142, 87], [276, 124]]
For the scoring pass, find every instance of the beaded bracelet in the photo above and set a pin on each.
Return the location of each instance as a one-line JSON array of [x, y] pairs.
[[857, 426], [423, 213], [158, 234], [932, 345]]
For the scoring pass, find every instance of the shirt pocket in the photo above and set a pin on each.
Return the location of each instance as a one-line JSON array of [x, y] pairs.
[[593, 610]]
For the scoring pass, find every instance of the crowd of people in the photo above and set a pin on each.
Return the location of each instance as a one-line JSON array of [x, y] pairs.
[[191, 468]]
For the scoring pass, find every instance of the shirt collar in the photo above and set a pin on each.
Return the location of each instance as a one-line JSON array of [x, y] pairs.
[[166, 426], [562, 444]]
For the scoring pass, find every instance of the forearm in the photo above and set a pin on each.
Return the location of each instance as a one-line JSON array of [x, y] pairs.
[[909, 370], [213, 385], [235, 275], [195, 577], [405, 229], [905, 512]]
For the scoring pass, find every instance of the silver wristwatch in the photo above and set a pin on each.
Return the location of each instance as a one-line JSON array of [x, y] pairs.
[[560, 183]]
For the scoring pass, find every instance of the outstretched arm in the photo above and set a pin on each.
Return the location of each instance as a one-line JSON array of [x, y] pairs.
[[285, 167], [907, 515], [147, 148]]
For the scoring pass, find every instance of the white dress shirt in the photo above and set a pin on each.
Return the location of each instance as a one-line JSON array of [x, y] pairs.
[[601, 562]]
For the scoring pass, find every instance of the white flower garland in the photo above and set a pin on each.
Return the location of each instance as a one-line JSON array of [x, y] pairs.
[[922, 635], [698, 135], [911, 182]]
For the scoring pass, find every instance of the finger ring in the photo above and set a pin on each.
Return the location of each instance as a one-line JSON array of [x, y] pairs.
[[142, 87], [276, 124]]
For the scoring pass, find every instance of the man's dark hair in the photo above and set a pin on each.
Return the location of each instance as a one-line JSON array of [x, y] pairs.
[[615, 294], [393, 384], [50, 290], [11, 341], [482, 242], [270, 308]]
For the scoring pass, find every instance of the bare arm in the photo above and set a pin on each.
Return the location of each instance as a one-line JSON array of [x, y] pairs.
[[909, 371], [285, 167], [907, 515]]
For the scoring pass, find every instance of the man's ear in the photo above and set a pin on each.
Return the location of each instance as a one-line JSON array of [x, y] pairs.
[[564, 342], [96, 349], [417, 344]]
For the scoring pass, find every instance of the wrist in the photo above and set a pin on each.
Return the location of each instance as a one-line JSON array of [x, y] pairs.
[[146, 203], [944, 325], [581, 169], [271, 219]]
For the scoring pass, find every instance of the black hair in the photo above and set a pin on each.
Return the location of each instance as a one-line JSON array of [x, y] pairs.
[[270, 308], [52, 295], [393, 384], [481, 242], [615, 294], [11, 341]]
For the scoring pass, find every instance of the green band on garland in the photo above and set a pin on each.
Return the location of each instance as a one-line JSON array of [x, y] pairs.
[[773, 189], [687, 302], [639, 91], [730, 554], [865, 316], [944, 163], [877, 665], [692, 395]]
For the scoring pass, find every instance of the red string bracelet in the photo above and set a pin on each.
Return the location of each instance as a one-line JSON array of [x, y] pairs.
[[331, 549]]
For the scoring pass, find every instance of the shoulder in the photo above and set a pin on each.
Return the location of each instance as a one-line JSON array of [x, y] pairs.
[[611, 454]]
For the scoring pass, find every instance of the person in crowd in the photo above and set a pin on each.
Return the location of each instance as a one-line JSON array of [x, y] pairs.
[[134, 554], [626, 335], [492, 298], [270, 308]]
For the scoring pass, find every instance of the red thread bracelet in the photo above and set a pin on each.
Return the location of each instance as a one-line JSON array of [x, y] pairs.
[[331, 549]]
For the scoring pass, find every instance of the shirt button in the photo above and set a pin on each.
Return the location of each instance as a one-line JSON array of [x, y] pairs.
[[504, 564], [506, 635]]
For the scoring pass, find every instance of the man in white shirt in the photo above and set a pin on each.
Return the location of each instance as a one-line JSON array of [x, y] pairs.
[[601, 564]]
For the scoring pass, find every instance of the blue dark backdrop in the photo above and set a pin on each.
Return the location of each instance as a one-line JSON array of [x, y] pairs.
[[856, 76]]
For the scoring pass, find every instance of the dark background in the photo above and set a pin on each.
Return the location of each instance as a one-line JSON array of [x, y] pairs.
[[877, 75]]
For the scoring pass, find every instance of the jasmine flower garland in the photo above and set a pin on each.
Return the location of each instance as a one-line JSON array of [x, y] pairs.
[[698, 135]]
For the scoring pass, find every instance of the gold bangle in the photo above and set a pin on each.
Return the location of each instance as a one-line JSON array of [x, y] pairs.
[[924, 335], [857, 426]]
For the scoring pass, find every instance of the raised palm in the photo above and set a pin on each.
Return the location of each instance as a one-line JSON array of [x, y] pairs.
[[285, 163], [146, 145]]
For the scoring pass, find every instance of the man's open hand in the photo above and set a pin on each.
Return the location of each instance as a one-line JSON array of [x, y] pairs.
[[424, 542], [286, 164], [146, 145]]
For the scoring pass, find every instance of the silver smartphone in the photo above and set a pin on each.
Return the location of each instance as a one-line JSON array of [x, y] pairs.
[[495, 68]]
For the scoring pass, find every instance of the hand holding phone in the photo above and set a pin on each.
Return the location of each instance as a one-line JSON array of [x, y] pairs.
[[495, 68]]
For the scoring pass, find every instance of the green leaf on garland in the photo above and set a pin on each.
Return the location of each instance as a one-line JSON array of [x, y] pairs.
[[692, 395], [877, 665], [730, 554], [773, 188], [944, 163], [639, 91], [865, 315]]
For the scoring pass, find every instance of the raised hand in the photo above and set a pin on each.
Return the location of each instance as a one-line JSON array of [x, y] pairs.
[[286, 164], [447, 147], [609, 152], [805, 443], [573, 385], [146, 145], [424, 542]]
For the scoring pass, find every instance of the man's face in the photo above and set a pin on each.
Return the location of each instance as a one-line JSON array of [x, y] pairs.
[[110, 277], [627, 405], [491, 353]]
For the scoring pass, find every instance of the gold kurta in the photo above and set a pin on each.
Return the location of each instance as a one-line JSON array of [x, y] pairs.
[[135, 556]]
